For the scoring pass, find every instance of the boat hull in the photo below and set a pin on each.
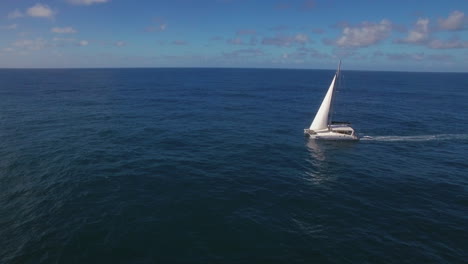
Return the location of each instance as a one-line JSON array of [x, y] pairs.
[[330, 135]]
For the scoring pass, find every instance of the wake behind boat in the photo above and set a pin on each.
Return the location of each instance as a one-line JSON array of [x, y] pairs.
[[322, 127]]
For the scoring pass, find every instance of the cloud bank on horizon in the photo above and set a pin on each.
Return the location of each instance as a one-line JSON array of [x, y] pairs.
[[368, 35]]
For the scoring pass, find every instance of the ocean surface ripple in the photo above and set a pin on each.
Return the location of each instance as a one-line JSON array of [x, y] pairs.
[[211, 166]]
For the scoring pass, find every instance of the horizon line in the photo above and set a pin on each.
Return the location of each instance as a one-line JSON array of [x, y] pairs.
[[226, 68]]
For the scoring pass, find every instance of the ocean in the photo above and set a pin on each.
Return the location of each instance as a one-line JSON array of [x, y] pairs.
[[211, 166]]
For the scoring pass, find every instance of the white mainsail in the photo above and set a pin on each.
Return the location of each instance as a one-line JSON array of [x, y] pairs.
[[321, 118]]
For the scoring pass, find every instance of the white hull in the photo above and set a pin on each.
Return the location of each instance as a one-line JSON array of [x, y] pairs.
[[331, 136], [335, 133]]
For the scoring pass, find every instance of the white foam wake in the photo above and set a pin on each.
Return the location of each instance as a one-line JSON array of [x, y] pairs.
[[417, 138]]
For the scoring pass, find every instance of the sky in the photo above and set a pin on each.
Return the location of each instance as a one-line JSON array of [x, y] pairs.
[[398, 35]]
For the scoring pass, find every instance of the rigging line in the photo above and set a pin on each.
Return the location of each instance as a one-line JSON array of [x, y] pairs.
[[336, 84]]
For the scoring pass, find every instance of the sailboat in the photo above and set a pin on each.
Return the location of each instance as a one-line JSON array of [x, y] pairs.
[[322, 126]]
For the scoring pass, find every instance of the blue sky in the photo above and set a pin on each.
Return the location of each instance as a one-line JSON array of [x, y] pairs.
[[366, 34]]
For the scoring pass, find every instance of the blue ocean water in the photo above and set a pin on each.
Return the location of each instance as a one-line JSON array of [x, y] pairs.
[[211, 166]]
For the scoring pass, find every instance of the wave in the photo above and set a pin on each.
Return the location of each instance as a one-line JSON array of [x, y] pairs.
[[417, 138]]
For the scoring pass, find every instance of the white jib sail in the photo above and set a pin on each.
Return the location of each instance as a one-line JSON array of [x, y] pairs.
[[321, 118]]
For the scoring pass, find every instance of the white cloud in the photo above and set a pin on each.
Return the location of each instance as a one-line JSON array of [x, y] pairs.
[[304, 54], [30, 44], [23, 34], [63, 30], [87, 2], [419, 56], [364, 35], [440, 57], [83, 43], [419, 33], [455, 21], [346, 53], [246, 32], [235, 41], [40, 10], [405, 56], [63, 39], [179, 42], [160, 27], [301, 38], [63, 42], [240, 41], [244, 53], [15, 14], [120, 43], [9, 27], [451, 44], [314, 53], [286, 41]]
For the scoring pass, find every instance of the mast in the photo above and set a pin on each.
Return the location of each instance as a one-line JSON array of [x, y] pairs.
[[338, 79]]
